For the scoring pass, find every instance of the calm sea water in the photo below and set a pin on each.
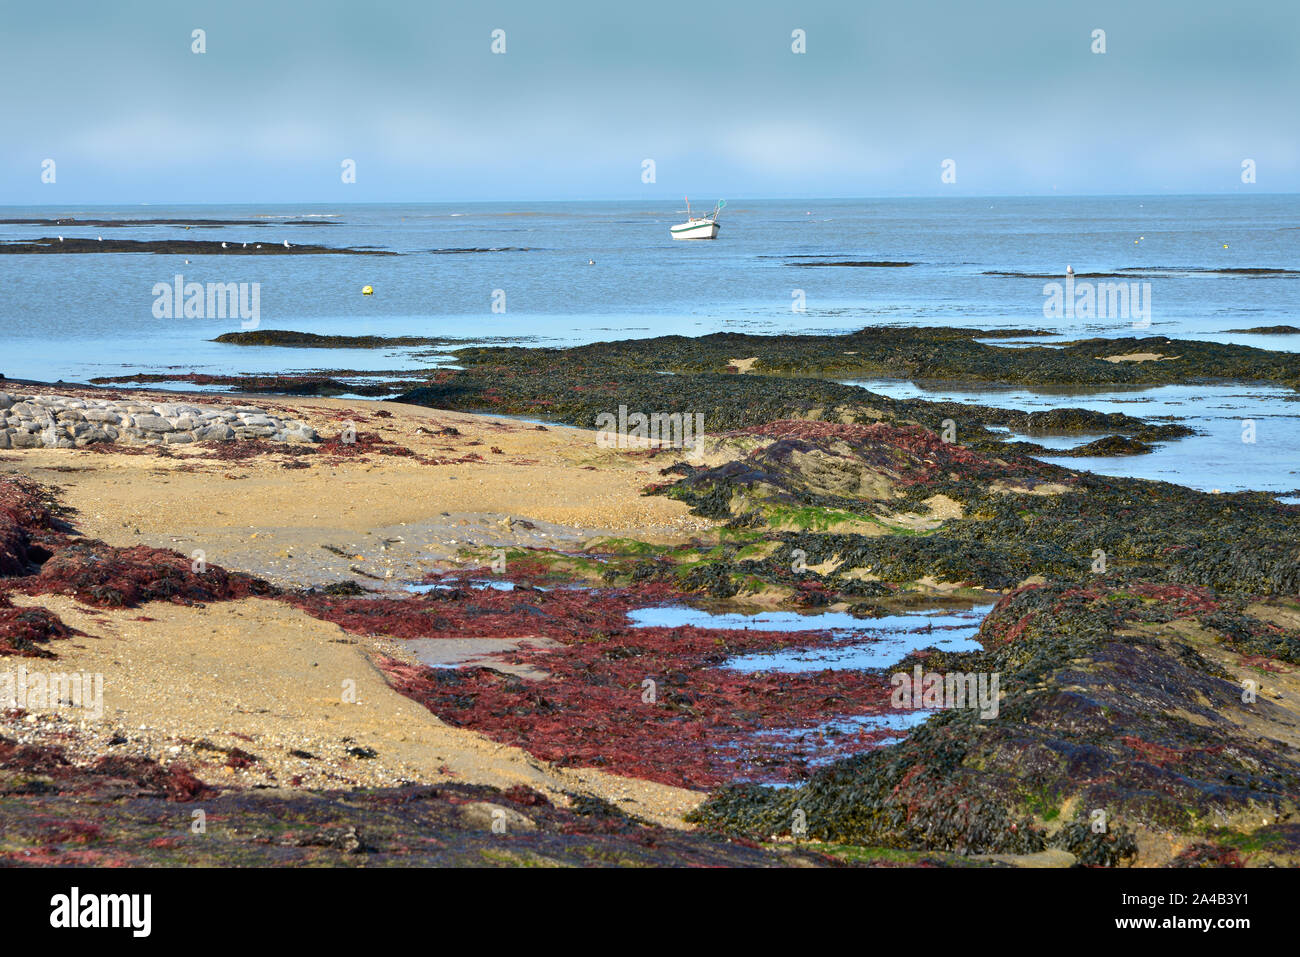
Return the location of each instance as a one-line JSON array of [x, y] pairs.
[[79, 316]]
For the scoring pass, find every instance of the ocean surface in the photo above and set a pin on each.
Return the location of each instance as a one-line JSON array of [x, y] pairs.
[[79, 316]]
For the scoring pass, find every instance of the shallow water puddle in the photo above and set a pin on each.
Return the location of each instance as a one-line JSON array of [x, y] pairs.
[[767, 717], [423, 588], [858, 726], [809, 748], [489, 652], [864, 643], [1244, 430]]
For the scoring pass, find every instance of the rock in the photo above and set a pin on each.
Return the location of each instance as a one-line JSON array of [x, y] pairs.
[[152, 423], [219, 432], [95, 435], [63, 422]]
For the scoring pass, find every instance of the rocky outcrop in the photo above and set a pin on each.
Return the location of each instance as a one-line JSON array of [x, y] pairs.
[[52, 421]]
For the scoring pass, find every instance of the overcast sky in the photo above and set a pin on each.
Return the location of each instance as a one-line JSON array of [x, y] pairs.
[[1008, 89]]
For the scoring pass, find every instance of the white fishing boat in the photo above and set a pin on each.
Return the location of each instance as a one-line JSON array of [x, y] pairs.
[[697, 227]]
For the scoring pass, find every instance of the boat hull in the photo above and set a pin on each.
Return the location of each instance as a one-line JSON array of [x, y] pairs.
[[699, 229]]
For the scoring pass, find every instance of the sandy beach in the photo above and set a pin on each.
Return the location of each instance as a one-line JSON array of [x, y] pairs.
[[191, 683]]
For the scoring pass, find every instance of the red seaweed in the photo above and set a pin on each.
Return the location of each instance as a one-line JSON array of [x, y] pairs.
[[697, 725]]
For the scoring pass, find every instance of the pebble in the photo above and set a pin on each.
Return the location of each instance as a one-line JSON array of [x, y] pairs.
[[53, 421]]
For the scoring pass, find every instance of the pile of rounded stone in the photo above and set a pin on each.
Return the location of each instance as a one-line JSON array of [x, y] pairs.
[[53, 421]]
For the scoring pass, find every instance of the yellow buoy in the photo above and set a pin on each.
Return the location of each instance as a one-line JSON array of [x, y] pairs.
[[366, 291]]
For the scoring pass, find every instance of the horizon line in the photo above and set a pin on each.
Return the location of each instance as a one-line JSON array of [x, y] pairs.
[[768, 199]]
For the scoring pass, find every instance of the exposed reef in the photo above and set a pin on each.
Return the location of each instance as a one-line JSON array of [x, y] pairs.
[[55, 245]]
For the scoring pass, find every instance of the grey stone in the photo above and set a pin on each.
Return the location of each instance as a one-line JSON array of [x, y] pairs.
[[152, 423], [61, 422], [90, 436], [220, 432]]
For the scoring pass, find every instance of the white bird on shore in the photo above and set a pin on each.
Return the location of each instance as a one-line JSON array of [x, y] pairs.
[[60, 239], [245, 246], [99, 238], [1069, 270], [286, 244], [225, 245]]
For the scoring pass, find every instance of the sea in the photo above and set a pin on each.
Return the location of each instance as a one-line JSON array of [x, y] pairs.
[[557, 274]]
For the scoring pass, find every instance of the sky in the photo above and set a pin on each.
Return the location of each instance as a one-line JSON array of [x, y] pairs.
[[1009, 90]]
